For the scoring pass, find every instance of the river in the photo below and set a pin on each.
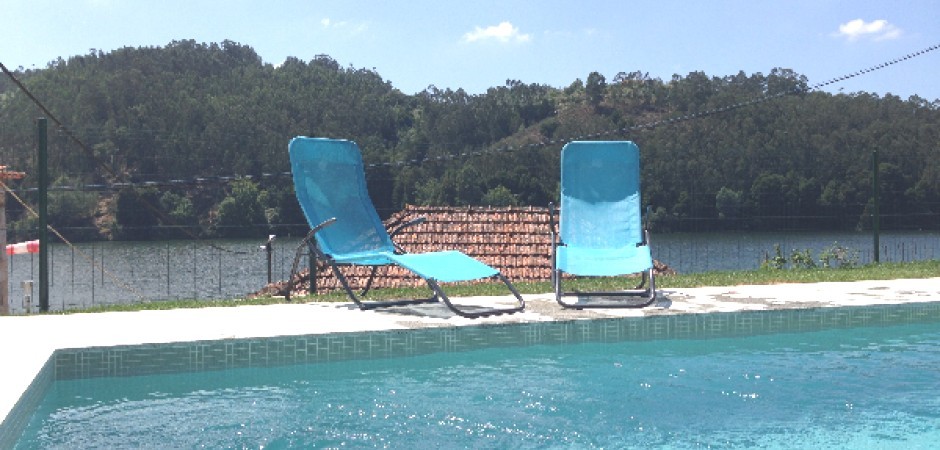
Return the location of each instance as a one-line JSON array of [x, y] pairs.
[[90, 274]]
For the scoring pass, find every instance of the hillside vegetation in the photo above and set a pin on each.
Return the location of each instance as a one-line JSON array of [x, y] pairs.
[[187, 113]]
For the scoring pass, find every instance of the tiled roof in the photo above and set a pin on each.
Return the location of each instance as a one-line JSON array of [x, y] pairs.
[[514, 240]]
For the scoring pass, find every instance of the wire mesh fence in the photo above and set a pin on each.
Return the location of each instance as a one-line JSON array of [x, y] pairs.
[[103, 273], [106, 273]]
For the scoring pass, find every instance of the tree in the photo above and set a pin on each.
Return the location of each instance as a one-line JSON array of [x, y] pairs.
[[729, 203], [136, 213], [772, 198], [500, 196], [595, 89], [180, 220], [240, 214], [468, 188], [73, 214]]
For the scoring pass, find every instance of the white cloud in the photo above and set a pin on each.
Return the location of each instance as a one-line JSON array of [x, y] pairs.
[[329, 24], [878, 30], [504, 32]]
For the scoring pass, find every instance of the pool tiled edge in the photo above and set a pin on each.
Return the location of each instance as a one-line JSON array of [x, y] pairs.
[[12, 427], [128, 344], [133, 360]]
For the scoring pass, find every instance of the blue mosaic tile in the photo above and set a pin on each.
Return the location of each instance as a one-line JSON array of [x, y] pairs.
[[235, 353]]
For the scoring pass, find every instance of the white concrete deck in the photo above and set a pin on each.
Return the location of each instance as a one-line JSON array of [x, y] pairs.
[[27, 342]]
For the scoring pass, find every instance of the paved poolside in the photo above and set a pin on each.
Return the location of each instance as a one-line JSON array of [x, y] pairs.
[[27, 342]]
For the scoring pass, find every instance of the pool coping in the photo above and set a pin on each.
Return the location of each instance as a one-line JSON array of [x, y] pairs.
[[28, 344]]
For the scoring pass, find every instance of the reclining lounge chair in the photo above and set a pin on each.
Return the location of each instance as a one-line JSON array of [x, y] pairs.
[[329, 180], [600, 231]]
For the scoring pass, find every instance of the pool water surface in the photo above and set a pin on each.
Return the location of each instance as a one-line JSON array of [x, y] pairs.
[[850, 387]]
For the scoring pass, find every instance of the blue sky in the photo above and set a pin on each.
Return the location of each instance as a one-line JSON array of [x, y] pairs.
[[480, 44]]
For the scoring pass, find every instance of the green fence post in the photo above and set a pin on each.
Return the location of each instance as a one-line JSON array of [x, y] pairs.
[[875, 213], [43, 166]]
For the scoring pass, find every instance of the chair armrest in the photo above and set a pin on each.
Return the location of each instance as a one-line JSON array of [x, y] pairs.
[[401, 227], [322, 225], [407, 224], [303, 243]]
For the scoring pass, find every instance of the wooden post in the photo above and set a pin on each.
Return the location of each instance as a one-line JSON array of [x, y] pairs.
[[4, 266], [4, 263]]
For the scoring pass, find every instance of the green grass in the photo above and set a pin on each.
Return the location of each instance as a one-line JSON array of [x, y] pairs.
[[883, 271]]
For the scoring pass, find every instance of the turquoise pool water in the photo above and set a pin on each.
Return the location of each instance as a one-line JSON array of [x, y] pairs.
[[848, 387]]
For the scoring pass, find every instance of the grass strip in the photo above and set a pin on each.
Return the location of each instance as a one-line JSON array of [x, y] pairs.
[[882, 271]]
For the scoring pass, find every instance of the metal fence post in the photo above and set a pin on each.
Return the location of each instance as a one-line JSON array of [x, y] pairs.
[[43, 163], [876, 200]]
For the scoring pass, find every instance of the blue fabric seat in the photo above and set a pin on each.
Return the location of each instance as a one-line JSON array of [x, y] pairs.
[[329, 180], [600, 229]]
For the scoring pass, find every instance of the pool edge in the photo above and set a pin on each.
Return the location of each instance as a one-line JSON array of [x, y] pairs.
[[50, 334]]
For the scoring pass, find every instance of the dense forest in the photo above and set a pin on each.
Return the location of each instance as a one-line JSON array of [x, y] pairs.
[[190, 140]]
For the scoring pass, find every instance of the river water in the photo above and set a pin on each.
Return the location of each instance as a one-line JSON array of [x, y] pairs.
[[90, 274]]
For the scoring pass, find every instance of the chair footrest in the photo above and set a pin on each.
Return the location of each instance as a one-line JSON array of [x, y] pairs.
[[366, 305], [644, 298]]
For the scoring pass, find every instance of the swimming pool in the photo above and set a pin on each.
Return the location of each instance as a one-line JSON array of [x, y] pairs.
[[833, 377]]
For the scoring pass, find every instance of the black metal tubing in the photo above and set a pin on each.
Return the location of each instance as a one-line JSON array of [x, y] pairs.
[[485, 312], [438, 292], [649, 293], [297, 254], [398, 249], [432, 283], [364, 305]]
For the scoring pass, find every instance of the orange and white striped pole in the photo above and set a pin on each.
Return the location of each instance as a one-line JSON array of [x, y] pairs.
[[23, 247]]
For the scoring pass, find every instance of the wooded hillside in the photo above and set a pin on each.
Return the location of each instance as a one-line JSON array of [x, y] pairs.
[[187, 113]]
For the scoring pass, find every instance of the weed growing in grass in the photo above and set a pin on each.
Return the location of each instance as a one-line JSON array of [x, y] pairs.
[[834, 256], [838, 256]]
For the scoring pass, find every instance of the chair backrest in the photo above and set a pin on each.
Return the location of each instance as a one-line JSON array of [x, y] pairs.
[[600, 194], [329, 180]]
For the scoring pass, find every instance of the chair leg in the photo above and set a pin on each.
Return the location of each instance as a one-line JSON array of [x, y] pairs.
[[485, 312], [367, 305], [556, 284], [365, 290], [642, 280], [306, 240], [293, 270], [649, 294]]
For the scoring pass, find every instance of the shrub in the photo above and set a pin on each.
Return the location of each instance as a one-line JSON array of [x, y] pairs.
[[833, 256], [838, 256]]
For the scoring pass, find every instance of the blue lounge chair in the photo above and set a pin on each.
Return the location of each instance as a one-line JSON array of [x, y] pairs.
[[331, 187], [600, 231]]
